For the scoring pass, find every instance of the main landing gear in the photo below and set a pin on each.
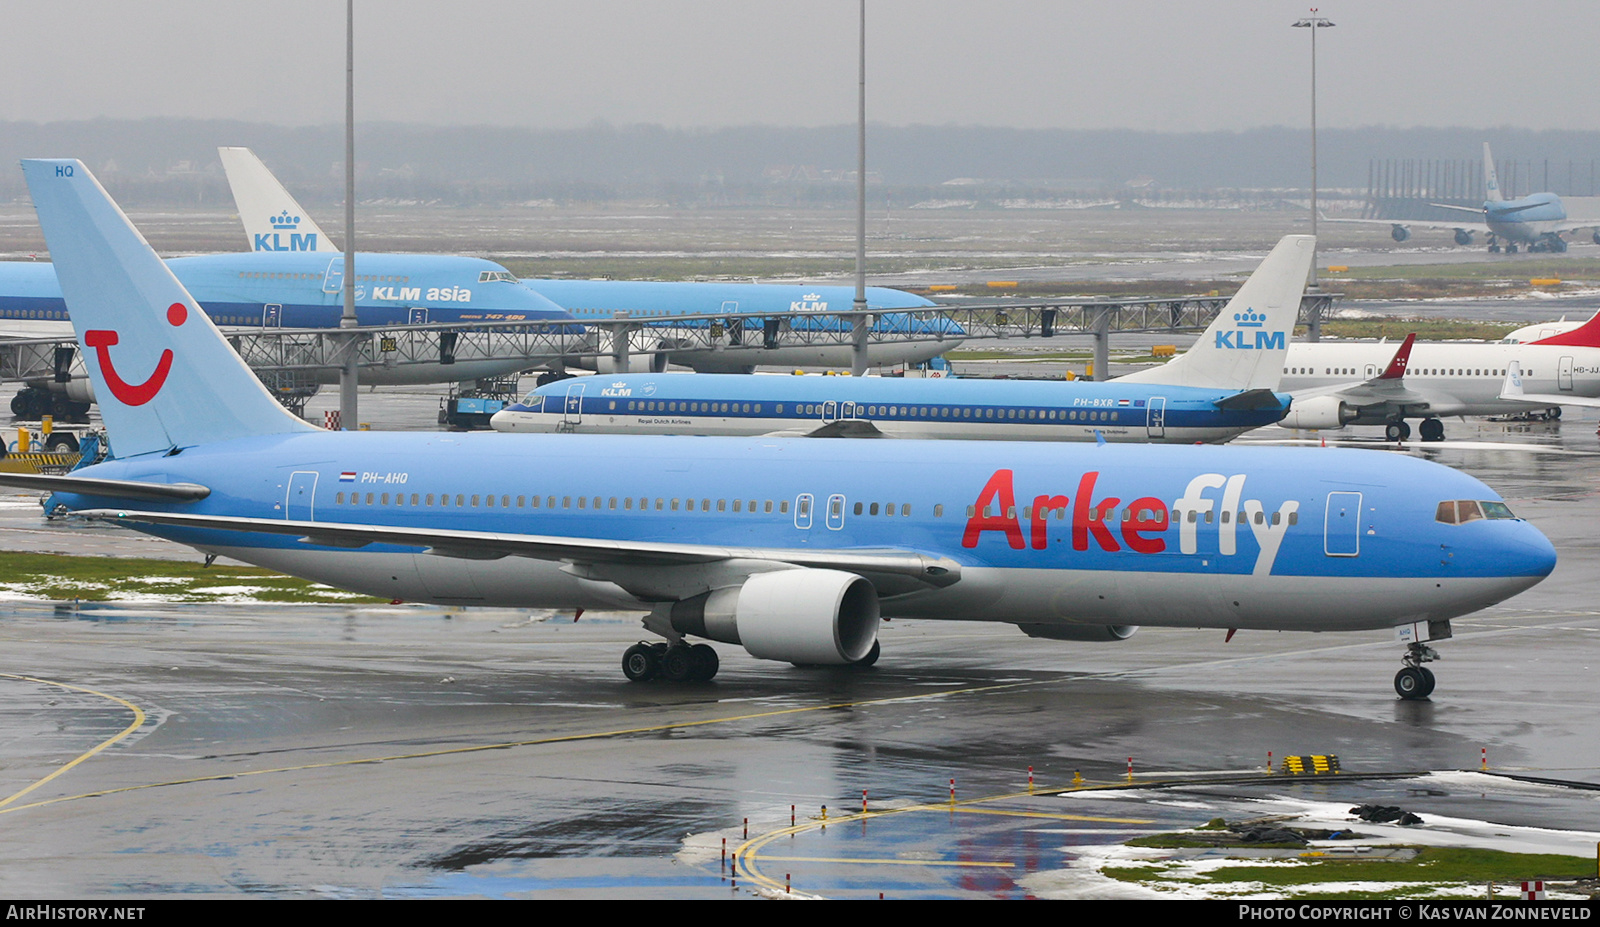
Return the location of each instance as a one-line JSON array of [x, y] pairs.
[[675, 662], [1431, 429], [1415, 681]]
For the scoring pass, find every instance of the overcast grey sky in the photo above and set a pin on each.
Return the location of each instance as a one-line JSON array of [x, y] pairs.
[[1138, 64]]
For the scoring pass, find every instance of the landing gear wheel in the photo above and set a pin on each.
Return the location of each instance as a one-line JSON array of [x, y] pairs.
[[641, 662], [705, 663], [678, 664], [1397, 431], [1554, 414], [1432, 429], [871, 658], [1413, 682]]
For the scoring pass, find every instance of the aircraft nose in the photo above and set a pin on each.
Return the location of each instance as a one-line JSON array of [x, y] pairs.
[[1525, 554]]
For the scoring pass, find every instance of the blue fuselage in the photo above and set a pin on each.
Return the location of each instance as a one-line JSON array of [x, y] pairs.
[[305, 290], [1338, 539], [1016, 410], [1528, 219]]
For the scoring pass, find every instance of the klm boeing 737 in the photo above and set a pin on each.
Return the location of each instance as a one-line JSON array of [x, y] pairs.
[[274, 221], [1221, 387], [791, 549]]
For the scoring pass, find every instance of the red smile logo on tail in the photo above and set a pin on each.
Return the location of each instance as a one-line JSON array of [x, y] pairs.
[[133, 394]]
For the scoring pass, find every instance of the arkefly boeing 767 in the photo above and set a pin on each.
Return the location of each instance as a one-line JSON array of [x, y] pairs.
[[793, 549]]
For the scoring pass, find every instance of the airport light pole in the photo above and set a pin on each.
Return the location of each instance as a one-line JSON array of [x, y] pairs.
[[349, 375], [1313, 22], [858, 332]]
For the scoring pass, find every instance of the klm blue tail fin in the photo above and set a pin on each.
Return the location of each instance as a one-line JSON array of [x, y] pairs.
[[163, 375]]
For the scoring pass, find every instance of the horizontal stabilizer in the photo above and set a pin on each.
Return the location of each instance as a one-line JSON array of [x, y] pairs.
[[118, 489], [1249, 400]]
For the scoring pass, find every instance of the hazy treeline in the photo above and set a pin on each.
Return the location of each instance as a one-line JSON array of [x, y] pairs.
[[171, 160]]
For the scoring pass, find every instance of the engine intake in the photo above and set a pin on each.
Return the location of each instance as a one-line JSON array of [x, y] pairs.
[[827, 617], [1321, 412]]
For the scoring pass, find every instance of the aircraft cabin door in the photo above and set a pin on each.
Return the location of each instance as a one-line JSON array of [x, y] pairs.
[[1370, 371], [271, 315], [1156, 417], [572, 410], [835, 512], [333, 280], [802, 511], [847, 411], [830, 411], [1341, 528], [297, 502], [419, 315], [1564, 375]]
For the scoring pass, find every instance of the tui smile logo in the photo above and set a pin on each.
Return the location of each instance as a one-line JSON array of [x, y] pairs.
[[133, 394]]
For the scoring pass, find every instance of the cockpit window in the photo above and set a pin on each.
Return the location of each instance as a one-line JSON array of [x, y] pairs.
[[1461, 511], [533, 400], [496, 276]]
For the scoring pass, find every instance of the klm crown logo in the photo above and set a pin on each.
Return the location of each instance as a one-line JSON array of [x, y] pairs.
[[1249, 319], [274, 240]]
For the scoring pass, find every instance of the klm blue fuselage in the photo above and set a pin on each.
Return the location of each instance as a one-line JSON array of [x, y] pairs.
[[1528, 219], [603, 299], [1017, 410], [1181, 536], [305, 290]]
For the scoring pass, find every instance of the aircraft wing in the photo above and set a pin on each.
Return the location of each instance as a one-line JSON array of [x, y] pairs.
[[839, 429], [1511, 391], [1478, 226], [121, 489], [881, 566]]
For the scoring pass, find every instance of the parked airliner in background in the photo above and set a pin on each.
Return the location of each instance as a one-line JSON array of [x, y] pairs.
[[299, 290], [1441, 379], [274, 221], [1536, 221], [793, 549], [1236, 364]]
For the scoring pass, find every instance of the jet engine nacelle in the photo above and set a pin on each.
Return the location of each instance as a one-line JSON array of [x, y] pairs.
[[824, 617], [637, 363], [1321, 412], [80, 389], [1463, 237], [1093, 633], [1399, 233]]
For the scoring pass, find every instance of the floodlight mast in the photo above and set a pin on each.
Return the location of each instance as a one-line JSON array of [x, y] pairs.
[[1313, 22]]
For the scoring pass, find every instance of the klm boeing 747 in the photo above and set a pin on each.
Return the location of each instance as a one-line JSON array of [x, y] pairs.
[[791, 549], [274, 221], [1536, 221], [1221, 387], [303, 290]]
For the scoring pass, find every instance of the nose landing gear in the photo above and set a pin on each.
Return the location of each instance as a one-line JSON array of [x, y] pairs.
[[1415, 681]]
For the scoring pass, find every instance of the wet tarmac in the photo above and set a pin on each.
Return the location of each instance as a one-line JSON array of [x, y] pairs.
[[414, 751]]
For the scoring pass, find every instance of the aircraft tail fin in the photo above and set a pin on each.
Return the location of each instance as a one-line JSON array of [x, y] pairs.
[[273, 221], [1586, 335], [1402, 358], [165, 378], [1245, 346], [1491, 179]]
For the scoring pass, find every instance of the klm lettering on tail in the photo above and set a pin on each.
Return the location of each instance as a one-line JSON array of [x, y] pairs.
[[1249, 335], [284, 226]]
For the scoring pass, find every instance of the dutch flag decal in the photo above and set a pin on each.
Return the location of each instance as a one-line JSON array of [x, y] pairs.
[[348, 476]]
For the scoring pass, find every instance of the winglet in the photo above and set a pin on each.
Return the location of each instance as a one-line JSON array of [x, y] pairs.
[[1512, 387], [1586, 335], [1402, 357]]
